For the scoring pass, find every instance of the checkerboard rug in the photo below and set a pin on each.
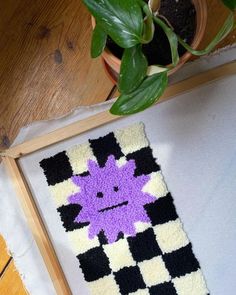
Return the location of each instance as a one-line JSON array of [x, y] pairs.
[[121, 219]]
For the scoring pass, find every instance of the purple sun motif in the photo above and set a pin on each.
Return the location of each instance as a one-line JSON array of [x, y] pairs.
[[111, 198]]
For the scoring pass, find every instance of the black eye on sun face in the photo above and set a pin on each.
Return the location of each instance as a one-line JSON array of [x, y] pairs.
[[116, 188], [99, 195]]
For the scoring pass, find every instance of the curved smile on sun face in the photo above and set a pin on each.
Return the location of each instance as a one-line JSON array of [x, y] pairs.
[[111, 198]]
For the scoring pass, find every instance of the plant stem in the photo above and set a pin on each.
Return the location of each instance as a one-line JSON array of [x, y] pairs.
[[226, 28], [172, 37]]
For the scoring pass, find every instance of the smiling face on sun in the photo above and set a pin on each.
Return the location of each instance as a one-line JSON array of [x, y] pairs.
[[111, 198]]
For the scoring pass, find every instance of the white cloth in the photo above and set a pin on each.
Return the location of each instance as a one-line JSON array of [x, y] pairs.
[[194, 138]]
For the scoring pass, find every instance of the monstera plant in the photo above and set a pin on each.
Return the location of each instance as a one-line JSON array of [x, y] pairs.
[[131, 25]]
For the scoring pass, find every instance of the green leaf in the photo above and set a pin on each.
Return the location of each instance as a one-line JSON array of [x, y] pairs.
[[121, 19], [231, 4], [133, 69], [225, 30], [148, 26], [99, 39], [173, 40], [148, 92]]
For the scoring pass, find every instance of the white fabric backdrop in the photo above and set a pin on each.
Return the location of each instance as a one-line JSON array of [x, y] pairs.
[[194, 138]]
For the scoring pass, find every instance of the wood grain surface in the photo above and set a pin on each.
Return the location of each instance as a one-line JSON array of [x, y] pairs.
[[4, 256], [45, 66], [11, 283], [46, 71]]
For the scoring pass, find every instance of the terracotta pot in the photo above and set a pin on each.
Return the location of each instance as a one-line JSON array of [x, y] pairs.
[[112, 63], [112, 75]]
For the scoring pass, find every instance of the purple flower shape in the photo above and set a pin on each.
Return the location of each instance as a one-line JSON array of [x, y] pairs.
[[111, 198]]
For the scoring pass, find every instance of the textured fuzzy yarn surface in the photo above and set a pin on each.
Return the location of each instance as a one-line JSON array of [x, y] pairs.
[[121, 219], [111, 198]]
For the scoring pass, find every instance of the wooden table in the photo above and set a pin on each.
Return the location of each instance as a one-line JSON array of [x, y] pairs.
[[46, 71]]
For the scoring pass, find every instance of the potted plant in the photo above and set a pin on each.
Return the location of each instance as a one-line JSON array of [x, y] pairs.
[[188, 19], [131, 26]]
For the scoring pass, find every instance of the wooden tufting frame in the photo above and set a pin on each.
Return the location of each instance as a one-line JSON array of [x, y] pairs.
[[10, 160]]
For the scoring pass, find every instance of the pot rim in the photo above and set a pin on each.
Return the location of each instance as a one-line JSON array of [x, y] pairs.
[[201, 20]]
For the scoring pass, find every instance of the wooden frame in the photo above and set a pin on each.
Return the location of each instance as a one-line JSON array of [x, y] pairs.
[[10, 159]]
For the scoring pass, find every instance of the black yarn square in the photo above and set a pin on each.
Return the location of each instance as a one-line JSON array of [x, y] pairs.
[[144, 246], [57, 168], [163, 289], [94, 264], [68, 214], [145, 162], [103, 239], [129, 279], [181, 262], [104, 147], [162, 210]]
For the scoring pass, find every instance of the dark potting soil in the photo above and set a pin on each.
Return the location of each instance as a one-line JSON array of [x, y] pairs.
[[181, 14]]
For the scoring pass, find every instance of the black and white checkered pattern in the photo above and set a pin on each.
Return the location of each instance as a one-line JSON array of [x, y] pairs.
[[159, 260]]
